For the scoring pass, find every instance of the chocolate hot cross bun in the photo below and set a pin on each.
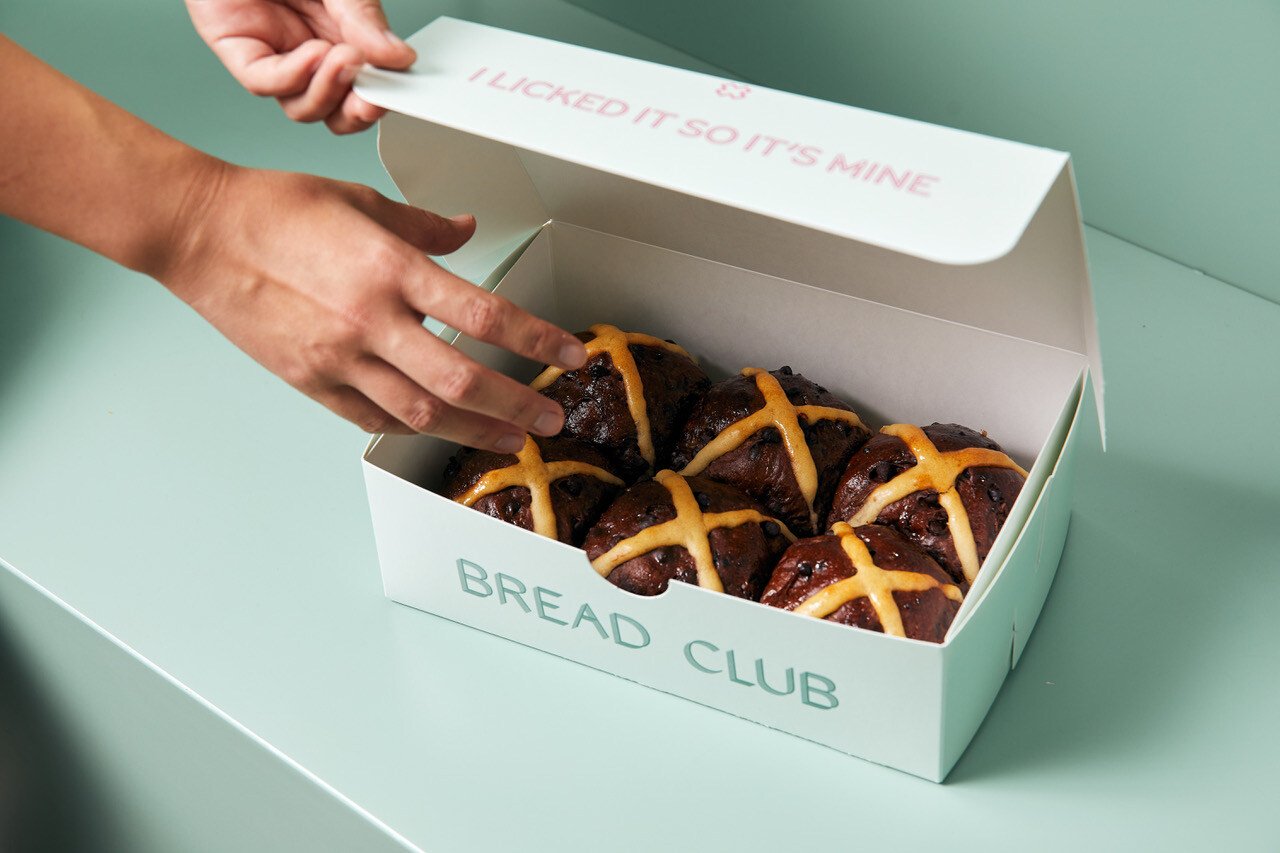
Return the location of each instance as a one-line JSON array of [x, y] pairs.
[[945, 487], [630, 397], [778, 437]]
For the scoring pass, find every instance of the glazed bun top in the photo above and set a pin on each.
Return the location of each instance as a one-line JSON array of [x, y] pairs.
[[629, 398]]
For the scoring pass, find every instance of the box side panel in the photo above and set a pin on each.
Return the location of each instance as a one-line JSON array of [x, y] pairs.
[[980, 655], [814, 679], [1053, 534], [1033, 492]]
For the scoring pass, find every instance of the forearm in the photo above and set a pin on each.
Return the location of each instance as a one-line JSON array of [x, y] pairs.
[[76, 165]]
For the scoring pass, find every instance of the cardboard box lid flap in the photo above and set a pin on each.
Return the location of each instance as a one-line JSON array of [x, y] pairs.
[[942, 194], [520, 130]]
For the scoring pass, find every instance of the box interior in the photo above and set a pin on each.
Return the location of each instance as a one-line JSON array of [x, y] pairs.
[[891, 364]]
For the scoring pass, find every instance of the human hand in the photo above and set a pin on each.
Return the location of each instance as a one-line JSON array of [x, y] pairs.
[[326, 284], [303, 53]]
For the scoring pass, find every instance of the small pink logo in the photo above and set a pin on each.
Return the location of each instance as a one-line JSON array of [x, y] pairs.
[[737, 91]]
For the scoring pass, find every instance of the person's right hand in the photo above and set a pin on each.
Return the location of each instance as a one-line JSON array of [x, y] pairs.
[[326, 284]]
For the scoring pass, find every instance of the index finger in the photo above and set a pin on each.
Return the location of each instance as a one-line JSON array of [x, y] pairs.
[[488, 317]]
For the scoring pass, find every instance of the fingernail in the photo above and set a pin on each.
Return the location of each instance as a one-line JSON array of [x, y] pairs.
[[348, 73], [393, 39], [509, 443], [462, 219], [573, 354], [548, 423]]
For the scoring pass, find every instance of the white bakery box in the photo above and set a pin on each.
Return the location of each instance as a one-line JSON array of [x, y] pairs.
[[922, 273]]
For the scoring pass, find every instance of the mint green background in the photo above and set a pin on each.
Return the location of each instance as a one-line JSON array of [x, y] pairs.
[[214, 522], [1171, 110]]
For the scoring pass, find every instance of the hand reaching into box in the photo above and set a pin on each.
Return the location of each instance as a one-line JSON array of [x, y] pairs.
[[325, 283], [303, 53]]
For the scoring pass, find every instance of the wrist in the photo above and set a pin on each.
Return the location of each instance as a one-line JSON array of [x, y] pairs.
[[183, 229]]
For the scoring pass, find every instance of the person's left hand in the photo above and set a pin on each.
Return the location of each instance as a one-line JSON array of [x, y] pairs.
[[303, 53]]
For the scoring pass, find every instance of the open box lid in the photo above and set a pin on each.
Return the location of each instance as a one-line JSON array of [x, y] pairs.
[[521, 130]]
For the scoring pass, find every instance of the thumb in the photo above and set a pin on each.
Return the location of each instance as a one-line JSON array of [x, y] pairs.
[[440, 235], [429, 232], [461, 229], [363, 24]]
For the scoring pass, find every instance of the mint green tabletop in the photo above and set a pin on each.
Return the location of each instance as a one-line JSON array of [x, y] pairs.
[[195, 653]]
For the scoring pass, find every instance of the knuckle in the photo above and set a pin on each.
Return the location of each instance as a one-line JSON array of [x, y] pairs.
[[486, 315], [322, 361], [462, 384], [393, 340], [424, 415], [318, 190], [374, 422], [526, 407], [306, 377], [402, 341], [485, 439], [343, 341], [293, 108], [303, 114], [331, 353], [542, 340], [355, 323], [386, 259], [301, 375], [367, 196], [343, 126]]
